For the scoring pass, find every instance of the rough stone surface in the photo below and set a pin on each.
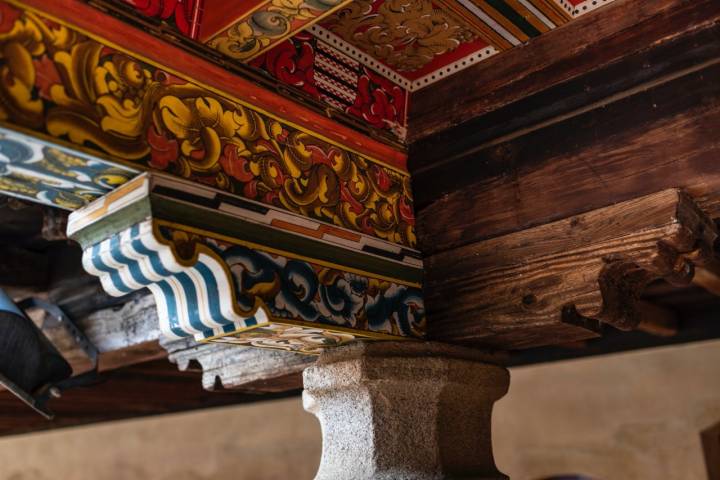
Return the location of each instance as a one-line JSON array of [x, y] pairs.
[[404, 411]]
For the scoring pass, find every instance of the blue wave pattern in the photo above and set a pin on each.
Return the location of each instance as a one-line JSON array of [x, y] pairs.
[[191, 300], [293, 289]]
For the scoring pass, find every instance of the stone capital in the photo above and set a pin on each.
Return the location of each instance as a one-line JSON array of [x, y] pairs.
[[405, 411]]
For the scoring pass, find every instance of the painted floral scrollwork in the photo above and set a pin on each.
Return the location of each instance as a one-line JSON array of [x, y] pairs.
[[404, 34], [60, 83], [179, 12], [299, 291], [250, 36]]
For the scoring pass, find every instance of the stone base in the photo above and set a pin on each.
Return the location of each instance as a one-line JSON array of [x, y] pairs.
[[405, 411]]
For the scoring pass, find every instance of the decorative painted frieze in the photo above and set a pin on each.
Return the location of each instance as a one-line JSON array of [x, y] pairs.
[[74, 89], [406, 36], [297, 59], [228, 270]]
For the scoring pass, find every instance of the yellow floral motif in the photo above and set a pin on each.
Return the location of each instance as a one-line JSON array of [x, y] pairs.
[[64, 84], [405, 34], [252, 35]]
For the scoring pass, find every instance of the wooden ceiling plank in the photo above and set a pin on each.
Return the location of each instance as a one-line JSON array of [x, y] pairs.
[[583, 45], [656, 138]]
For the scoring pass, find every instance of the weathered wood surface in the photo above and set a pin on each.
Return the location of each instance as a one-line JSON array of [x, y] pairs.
[[697, 316], [563, 281], [590, 43], [661, 137], [656, 64], [125, 335], [151, 388], [582, 133], [241, 368]]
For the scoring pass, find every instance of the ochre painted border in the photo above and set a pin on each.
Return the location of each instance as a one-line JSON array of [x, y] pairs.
[[277, 40]]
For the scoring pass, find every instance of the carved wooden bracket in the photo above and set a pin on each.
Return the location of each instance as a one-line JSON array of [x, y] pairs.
[[228, 270], [563, 281]]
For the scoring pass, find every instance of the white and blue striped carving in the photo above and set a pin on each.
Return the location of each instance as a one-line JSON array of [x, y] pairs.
[[191, 300]]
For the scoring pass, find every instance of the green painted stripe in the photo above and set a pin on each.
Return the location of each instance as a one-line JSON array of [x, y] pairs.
[[218, 222], [116, 222], [508, 12]]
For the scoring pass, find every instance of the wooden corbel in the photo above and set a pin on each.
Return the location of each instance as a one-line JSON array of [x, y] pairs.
[[229, 270], [565, 281], [689, 247]]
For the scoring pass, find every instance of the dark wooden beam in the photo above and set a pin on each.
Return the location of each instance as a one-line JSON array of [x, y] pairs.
[[568, 280], [20, 267], [152, 388], [655, 138], [695, 325], [617, 37], [239, 368]]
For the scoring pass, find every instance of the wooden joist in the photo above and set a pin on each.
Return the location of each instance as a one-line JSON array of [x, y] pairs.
[[151, 388], [241, 368], [657, 138], [563, 281]]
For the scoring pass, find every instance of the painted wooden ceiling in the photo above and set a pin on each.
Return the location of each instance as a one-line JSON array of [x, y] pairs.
[[362, 57]]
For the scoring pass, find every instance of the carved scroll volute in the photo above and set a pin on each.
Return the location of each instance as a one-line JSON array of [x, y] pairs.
[[688, 249]]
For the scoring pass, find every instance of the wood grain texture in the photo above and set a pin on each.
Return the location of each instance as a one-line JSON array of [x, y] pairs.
[[660, 137], [655, 64], [563, 281], [583, 45], [240, 368]]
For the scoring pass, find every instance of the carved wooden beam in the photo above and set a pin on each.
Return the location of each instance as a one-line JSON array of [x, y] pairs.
[[167, 110], [642, 141], [286, 231], [563, 281], [247, 38]]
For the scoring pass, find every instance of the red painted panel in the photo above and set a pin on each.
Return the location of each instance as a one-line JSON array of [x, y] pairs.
[[318, 69], [184, 15], [220, 14]]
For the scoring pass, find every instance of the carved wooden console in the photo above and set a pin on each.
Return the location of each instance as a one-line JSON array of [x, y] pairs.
[[229, 270], [563, 281]]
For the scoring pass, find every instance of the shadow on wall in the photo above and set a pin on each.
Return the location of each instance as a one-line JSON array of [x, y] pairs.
[[711, 449]]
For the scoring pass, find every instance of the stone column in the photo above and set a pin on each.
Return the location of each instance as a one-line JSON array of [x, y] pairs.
[[404, 411]]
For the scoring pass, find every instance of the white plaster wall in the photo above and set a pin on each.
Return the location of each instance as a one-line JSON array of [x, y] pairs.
[[634, 416], [273, 440]]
